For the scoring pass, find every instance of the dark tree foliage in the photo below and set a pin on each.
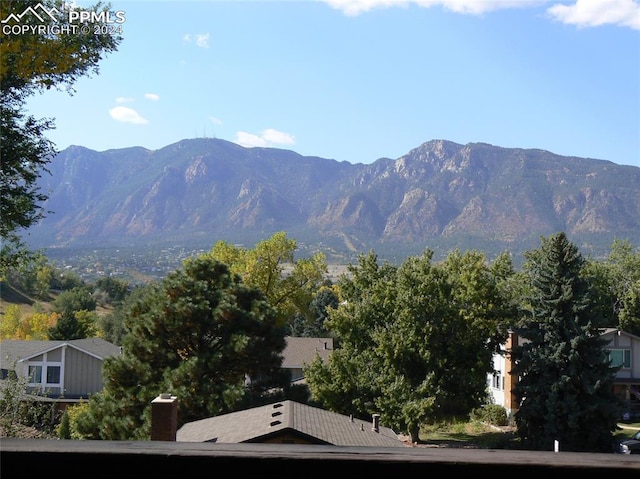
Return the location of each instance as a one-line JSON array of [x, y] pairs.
[[116, 289], [314, 327], [112, 324], [25, 153], [67, 280], [76, 299], [566, 382], [68, 303], [67, 327], [199, 334]]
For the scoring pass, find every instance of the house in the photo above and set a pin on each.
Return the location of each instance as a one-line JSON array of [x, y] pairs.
[[300, 352], [63, 370], [283, 422], [624, 351], [501, 382]]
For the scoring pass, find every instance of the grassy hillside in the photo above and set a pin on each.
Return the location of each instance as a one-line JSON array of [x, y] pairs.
[[10, 295]]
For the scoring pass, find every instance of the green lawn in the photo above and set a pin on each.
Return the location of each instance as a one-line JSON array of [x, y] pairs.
[[479, 435], [627, 430], [468, 434]]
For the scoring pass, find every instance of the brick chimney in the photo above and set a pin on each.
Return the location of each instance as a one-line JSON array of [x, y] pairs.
[[510, 380], [164, 417], [376, 423]]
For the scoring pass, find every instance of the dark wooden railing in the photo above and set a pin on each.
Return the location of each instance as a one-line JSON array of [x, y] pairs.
[[167, 459]]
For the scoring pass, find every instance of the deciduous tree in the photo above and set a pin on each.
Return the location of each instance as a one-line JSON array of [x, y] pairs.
[[407, 336], [35, 325], [31, 62], [289, 283]]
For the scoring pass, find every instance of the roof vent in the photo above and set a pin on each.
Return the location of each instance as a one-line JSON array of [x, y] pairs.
[[376, 423]]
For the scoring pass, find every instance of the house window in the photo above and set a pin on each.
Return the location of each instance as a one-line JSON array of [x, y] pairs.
[[44, 376], [496, 381], [620, 357], [35, 374], [53, 374]]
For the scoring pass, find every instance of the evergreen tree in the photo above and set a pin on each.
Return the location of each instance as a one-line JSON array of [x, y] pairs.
[[67, 327], [78, 318], [64, 428], [314, 327], [566, 382], [199, 335]]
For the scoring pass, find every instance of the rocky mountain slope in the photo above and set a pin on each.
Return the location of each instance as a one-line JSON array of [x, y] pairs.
[[440, 195]]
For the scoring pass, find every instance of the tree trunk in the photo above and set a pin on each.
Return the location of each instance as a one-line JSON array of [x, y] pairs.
[[414, 432]]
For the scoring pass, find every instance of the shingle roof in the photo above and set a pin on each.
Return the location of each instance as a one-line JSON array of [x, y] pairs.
[[259, 423], [301, 351], [13, 350], [620, 332]]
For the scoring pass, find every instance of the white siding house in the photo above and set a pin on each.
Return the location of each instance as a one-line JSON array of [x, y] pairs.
[[624, 350]]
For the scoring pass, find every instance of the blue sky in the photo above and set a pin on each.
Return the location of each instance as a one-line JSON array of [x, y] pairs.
[[356, 80]]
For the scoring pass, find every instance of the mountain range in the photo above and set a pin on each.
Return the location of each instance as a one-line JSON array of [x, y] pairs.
[[440, 195]]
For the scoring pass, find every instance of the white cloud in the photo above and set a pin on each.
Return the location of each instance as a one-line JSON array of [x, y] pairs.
[[587, 13], [124, 99], [278, 137], [215, 121], [473, 7], [152, 96], [200, 39], [268, 138], [248, 139], [590, 13], [127, 115]]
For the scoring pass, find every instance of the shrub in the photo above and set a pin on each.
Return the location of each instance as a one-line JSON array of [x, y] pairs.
[[493, 414], [64, 428]]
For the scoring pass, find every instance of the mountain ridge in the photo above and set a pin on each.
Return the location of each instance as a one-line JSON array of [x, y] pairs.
[[439, 195]]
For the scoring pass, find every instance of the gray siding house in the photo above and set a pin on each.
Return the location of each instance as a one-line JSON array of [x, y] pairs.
[[58, 369]]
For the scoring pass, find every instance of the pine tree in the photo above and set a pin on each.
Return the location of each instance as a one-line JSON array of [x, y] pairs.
[[566, 382], [66, 328], [198, 335]]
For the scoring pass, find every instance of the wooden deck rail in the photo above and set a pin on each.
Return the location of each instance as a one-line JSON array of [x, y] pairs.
[[121, 459]]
